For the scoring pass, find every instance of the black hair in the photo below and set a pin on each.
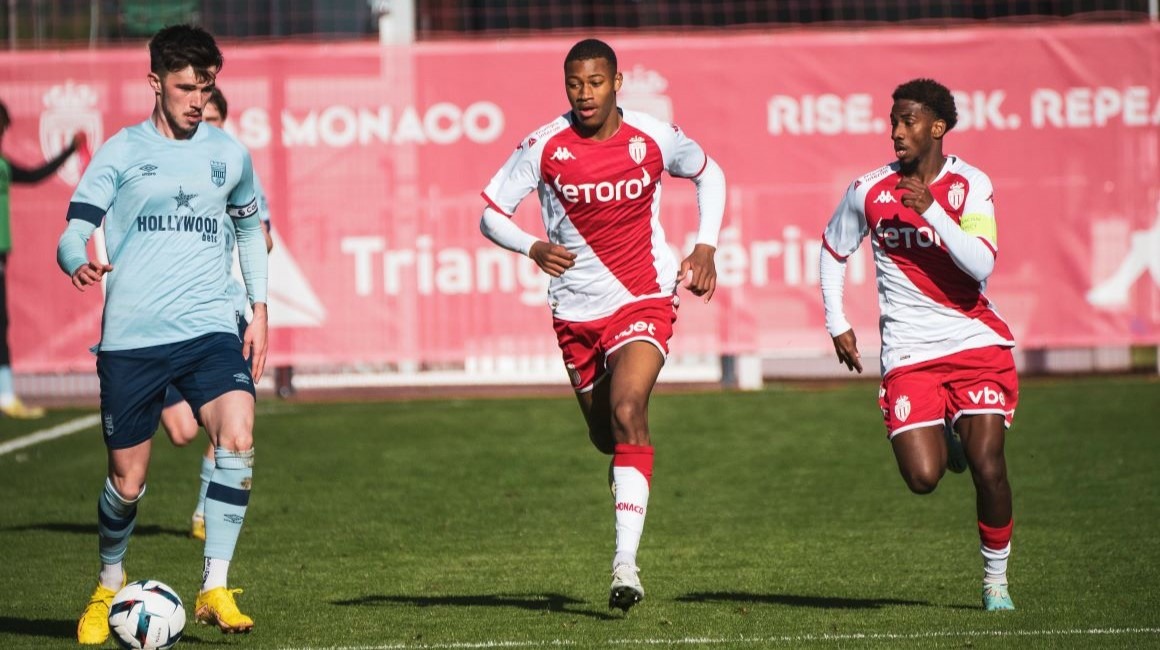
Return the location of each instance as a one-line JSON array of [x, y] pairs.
[[591, 48], [219, 100], [178, 47], [933, 96], [4, 118]]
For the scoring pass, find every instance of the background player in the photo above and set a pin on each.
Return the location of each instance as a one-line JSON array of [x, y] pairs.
[[597, 170], [177, 417], [11, 405], [946, 353], [163, 189]]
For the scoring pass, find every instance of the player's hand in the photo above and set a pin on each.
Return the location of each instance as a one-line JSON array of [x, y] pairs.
[[255, 344], [89, 274], [846, 345], [698, 272], [916, 195], [553, 259]]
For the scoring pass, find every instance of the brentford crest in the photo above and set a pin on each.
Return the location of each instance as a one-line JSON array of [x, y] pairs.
[[956, 195], [69, 108], [902, 408], [637, 149]]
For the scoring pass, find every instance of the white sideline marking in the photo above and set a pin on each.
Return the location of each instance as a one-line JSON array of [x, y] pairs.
[[802, 638], [60, 430]]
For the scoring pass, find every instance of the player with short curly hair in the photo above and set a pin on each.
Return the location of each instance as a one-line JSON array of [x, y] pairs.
[[949, 387]]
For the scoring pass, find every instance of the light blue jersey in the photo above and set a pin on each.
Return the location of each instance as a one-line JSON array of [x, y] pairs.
[[165, 204]]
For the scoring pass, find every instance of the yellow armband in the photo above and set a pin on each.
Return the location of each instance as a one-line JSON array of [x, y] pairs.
[[980, 225]]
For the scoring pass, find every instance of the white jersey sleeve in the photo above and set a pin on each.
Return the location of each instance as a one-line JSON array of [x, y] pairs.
[[847, 227], [979, 210], [520, 174], [688, 158]]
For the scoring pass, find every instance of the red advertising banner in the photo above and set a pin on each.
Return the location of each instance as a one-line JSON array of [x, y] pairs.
[[373, 159]]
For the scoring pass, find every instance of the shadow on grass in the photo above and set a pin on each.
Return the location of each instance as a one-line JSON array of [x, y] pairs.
[[91, 529], [56, 629], [534, 602], [820, 602]]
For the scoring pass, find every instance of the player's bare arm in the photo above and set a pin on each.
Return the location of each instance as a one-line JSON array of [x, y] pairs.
[[698, 271], [255, 344], [553, 259], [89, 274], [916, 195], [846, 346]]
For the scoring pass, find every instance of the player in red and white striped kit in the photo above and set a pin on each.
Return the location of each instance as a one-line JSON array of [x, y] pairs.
[[597, 172], [949, 384]]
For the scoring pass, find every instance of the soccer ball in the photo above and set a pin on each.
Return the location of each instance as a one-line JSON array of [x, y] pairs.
[[146, 615]]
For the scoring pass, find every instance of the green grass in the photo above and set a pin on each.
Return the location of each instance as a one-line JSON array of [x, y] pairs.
[[776, 518]]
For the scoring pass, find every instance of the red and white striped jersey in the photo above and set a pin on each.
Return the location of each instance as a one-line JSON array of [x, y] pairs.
[[928, 306], [601, 201]]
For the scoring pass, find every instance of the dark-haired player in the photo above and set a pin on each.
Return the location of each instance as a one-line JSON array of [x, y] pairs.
[[177, 417], [946, 352], [597, 171], [163, 189]]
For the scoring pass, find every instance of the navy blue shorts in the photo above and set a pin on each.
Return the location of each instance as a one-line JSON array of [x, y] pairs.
[[173, 397], [134, 382]]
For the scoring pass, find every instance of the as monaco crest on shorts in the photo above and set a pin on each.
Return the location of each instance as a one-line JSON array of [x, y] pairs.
[[902, 408], [957, 193], [69, 108], [637, 149]]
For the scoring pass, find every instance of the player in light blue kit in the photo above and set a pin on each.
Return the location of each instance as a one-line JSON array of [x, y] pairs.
[[177, 417], [163, 189]]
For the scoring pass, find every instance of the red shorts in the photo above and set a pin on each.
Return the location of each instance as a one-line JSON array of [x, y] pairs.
[[938, 391], [586, 345]]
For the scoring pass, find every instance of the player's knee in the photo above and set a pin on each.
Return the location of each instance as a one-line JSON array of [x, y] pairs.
[[989, 472], [235, 439], [922, 481], [181, 434], [128, 489], [629, 418]]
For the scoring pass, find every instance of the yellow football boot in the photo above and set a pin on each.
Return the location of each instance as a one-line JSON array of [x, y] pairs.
[[18, 410], [217, 607], [93, 628], [197, 528]]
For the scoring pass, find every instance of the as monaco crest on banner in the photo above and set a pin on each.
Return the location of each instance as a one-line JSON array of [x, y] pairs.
[[69, 108]]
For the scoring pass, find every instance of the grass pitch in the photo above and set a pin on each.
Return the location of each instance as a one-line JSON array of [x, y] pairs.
[[777, 519]]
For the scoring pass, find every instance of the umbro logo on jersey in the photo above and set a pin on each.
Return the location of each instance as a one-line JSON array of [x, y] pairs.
[[148, 170], [562, 153], [885, 197]]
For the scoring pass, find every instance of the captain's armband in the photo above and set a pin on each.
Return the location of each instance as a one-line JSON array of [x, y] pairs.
[[980, 225]]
